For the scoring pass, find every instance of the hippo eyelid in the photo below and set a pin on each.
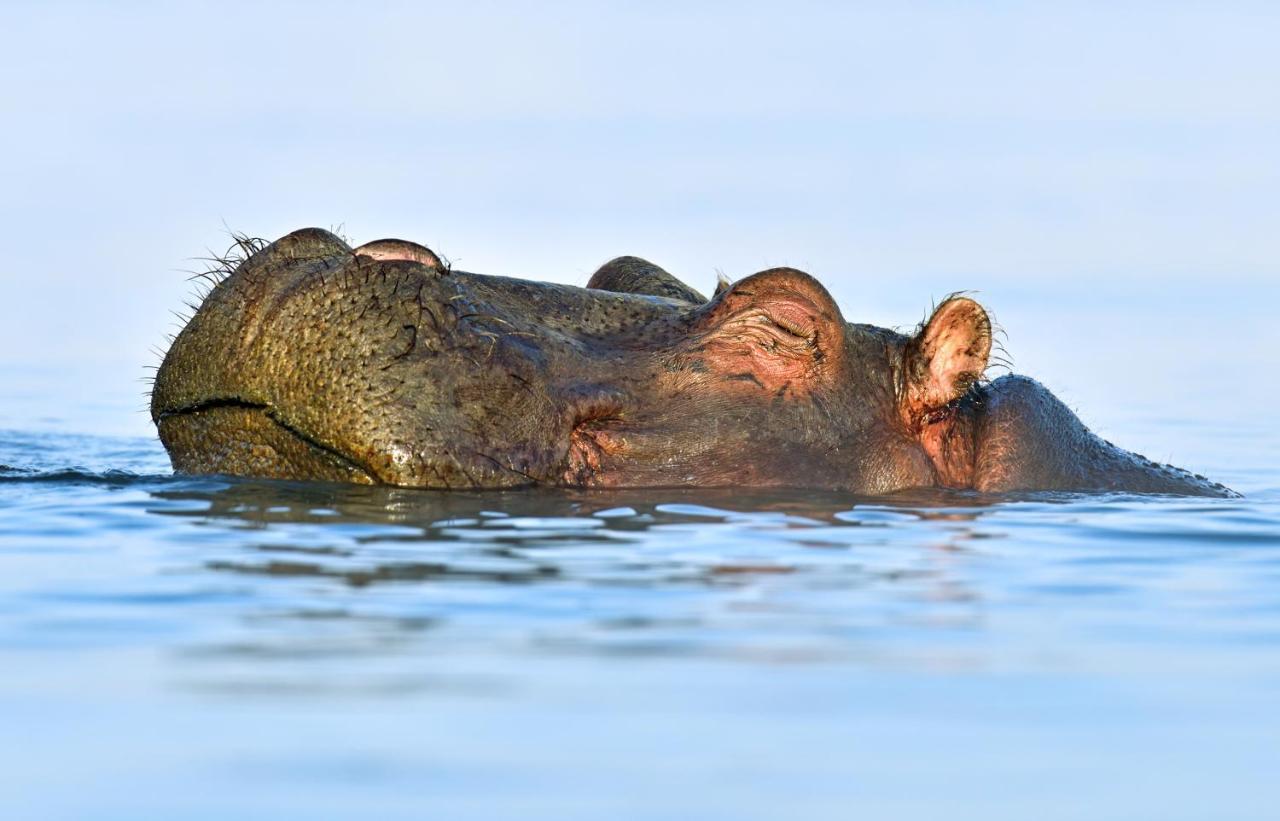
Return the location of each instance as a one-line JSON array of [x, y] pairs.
[[792, 313], [792, 328]]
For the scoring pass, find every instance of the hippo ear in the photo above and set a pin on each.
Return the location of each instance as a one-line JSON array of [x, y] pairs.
[[946, 357], [778, 330]]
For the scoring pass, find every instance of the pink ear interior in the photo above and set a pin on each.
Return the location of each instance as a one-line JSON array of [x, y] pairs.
[[950, 354]]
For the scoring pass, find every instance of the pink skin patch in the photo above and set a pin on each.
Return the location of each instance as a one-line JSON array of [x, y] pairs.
[[758, 348], [770, 338], [591, 446]]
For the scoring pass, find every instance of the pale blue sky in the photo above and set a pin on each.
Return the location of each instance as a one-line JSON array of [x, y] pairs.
[[1105, 175]]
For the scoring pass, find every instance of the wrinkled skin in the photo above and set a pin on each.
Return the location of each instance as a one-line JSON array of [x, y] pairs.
[[312, 360]]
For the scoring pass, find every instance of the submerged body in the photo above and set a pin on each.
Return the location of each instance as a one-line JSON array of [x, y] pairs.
[[378, 364]]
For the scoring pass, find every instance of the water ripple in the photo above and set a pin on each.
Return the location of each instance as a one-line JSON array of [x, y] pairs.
[[225, 606]]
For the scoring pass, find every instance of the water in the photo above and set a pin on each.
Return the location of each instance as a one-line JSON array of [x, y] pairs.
[[213, 648]]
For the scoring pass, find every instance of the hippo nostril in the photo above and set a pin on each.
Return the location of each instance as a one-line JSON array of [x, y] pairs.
[[393, 249]]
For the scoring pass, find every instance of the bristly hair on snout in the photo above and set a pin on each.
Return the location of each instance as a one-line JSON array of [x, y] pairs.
[[220, 266], [217, 268]]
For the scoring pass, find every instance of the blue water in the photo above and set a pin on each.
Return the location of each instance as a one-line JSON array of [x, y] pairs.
[[212, 648]]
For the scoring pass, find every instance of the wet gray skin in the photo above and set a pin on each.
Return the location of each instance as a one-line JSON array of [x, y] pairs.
[[313, 360]]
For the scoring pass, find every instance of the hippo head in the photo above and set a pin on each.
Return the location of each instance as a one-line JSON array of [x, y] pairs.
[[379, 364]]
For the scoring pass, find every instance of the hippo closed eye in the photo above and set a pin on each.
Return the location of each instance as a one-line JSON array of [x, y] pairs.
[[379, 364]]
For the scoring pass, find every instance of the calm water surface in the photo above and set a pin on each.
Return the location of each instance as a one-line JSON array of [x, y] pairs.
[[214, 648]]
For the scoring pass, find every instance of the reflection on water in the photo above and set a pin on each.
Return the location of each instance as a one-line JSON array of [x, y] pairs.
[[663, 573], [306, 649]]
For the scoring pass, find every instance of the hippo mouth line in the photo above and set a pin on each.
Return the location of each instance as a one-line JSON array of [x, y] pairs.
[[280, 429]]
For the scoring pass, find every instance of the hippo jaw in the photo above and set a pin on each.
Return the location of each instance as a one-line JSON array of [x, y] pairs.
[[228, 435]]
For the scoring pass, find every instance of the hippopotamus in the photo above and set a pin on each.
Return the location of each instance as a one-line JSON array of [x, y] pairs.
[[381, 364]]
